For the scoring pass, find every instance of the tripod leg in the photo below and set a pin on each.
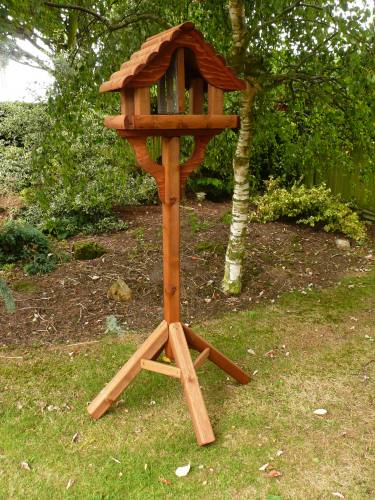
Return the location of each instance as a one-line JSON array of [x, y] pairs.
[[189, 380], [129, 371], [199, 344]]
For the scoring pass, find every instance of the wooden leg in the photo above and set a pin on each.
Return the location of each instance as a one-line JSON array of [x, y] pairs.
[[189, 380], [129, 371], [199, 344]]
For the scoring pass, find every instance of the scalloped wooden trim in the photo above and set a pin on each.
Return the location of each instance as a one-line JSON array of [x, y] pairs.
[[196, 158], [142, 155]]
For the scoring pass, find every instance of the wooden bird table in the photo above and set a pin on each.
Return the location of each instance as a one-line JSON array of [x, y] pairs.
[[183, 66]]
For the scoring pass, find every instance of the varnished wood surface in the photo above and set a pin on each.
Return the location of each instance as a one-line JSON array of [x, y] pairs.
[[171, 122], [196, 97], [171, 228], [153, 366], [201, 358], [198, 343], [189, 380], [148, 65], [128, 372], [144, 160], [215, 101]]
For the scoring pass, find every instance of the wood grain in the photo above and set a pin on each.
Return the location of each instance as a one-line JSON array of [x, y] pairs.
[[142, 155], [171, 122], [198, 343], [189, 380], [196, 97], [149, 64], [201, 358], [215, 101], [128, 372], [153, 366]]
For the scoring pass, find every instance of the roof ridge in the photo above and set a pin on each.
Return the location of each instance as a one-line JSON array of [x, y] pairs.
[[149, 63]]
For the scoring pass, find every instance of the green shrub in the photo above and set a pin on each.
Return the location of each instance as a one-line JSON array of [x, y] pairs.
[[26, 244], [315, 206], [6, 295], [87, 250], [21, 126]]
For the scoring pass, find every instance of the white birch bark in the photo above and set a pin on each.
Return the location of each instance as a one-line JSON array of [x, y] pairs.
[[232, 281]]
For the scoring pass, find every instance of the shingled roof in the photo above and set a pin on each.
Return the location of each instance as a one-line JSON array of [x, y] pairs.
[[149, 64]]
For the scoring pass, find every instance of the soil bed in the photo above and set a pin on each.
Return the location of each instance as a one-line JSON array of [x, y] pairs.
[[71, 304]]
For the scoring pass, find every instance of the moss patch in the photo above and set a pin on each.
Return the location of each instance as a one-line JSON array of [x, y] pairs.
[[88, 250], [25, 286]]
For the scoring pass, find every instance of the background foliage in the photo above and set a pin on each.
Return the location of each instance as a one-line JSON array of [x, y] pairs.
[[71, 171]]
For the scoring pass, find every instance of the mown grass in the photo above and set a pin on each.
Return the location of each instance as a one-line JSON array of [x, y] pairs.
[[324, 357]]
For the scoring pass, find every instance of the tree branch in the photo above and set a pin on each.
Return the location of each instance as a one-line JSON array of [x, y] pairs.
[[131, 19], [299, 76], [281, 15], [17, 53]]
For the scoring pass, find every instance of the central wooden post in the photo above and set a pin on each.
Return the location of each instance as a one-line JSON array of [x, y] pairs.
[[171, 232]]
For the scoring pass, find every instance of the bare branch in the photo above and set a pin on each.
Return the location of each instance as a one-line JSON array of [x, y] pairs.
[[19, 54]]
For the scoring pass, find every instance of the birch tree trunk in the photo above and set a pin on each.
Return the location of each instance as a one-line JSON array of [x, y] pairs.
[[232, 281]]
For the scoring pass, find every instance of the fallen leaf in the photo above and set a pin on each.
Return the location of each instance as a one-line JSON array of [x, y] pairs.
[[337, 494], [164, 481], [25, 465], [264, 467], [270, 354], [70, 483], [75, 438], [274, 473], [251, 351], [165, 359], [279, 453], [320, 412], [183, 471]]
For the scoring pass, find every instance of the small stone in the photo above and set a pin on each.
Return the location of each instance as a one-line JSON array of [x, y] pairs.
[[119, 291], [342, 244]]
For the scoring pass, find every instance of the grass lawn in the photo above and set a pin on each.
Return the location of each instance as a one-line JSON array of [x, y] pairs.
[[322, 356]]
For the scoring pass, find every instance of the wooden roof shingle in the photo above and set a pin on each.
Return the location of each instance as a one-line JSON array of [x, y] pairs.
[[149, 64]]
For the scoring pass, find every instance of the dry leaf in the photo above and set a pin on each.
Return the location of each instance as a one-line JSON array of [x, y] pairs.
[[320, 412], [25, 465], [279, 453], [164, 481], [274, 473], [270, 354], [70, 483], [337, 494], [264, 467], [183, 471], [75, 438], [251, 351]]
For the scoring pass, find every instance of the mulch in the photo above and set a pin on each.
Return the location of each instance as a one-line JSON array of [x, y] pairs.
[[71, 304]]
